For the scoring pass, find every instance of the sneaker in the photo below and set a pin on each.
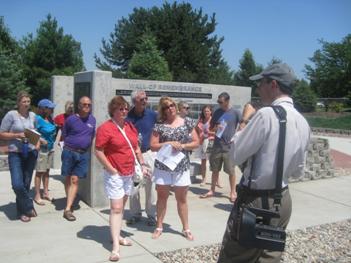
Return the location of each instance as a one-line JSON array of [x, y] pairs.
[[133, 220], [69, 215], [151, 221]]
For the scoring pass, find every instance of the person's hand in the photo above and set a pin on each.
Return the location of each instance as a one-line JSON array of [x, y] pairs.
[[146, 171], [176, 145], [20, 135], [43, 141], [112, 171]]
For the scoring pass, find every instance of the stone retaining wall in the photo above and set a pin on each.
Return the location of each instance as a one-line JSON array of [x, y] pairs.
[[318, 162]]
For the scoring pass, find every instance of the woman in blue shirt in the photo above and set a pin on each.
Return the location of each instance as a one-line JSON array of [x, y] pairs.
[[47, 129]]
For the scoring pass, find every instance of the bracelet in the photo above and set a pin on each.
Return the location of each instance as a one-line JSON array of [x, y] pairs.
[[244, 121]]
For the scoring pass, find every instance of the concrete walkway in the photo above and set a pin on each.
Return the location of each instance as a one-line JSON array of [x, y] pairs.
[[50, 238]]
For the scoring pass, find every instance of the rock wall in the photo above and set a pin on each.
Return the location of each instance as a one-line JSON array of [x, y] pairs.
[[318, 163]]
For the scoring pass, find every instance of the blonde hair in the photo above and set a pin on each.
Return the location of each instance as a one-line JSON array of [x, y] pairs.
[[162, 105]]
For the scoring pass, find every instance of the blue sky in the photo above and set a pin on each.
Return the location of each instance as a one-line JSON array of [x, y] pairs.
[[288, 30]]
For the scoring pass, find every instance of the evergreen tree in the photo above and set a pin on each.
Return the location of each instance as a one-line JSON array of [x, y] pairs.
[[11, 74], [147, 62], [49, 53], [248, 67], [183, 35], [304, 98], [331, 75]]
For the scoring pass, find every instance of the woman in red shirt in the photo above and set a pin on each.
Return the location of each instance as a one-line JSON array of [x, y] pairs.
[[114, 153]]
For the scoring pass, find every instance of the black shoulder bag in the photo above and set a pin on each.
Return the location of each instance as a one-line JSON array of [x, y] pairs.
[[253, 226]]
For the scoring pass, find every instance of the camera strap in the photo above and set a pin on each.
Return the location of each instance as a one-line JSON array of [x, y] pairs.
[[281, 114]]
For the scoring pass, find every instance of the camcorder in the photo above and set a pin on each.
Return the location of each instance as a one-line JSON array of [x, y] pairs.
[[254, 229]]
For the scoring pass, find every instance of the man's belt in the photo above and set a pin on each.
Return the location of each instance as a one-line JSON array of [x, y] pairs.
[[78, 150]]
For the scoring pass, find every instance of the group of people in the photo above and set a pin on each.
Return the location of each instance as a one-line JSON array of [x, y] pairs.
[[134, 134]]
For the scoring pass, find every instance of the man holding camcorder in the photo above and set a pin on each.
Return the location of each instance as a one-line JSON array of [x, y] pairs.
[[274, 144]]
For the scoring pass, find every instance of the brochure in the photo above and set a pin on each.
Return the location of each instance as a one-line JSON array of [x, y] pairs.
[[169, 156]]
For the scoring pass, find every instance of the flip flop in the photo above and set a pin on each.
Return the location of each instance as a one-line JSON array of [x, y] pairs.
[[187, 234], [114, 256], [157, 233], [125, 242], [39, 202], [207, 195], [45, 197]]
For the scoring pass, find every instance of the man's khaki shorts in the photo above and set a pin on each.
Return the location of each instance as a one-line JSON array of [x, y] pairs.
[[44, 161], [217, 159]]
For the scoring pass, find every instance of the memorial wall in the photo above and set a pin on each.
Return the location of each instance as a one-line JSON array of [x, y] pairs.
[[101, 87]]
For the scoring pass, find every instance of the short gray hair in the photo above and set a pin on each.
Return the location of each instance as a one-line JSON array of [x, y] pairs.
[[135, 94]]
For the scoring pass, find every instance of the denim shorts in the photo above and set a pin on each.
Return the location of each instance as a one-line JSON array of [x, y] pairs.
[[74, 163]]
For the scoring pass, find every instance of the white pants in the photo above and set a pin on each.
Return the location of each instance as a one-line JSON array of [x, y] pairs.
[[150, 191]]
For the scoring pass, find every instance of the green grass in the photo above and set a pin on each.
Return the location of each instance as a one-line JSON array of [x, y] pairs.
[[343, 122]]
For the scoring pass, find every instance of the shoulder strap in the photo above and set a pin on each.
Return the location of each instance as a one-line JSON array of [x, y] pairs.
[[125, 137], [281, 114]]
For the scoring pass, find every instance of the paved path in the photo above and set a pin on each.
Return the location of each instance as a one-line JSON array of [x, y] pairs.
[[50, 238]]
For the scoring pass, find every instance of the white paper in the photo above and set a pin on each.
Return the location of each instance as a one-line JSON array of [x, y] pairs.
[[169, 156]]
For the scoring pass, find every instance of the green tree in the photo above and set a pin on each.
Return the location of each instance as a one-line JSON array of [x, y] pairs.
[[220, 72], [50, 52], [304, 97], [147, 62], [7, 42], [247, 68], [11, 74], [183, 35], [331, 74]]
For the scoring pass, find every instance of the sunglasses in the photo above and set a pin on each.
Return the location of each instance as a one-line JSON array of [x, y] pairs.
[[186, 108], [220, 102], [168, 106]]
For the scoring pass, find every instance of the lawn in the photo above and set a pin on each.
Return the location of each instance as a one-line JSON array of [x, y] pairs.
[[329, 120]]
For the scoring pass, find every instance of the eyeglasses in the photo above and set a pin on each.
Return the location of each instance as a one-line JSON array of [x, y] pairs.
[[168, 106], [186, 108], [220, 102], [123, 109], [143, 99]]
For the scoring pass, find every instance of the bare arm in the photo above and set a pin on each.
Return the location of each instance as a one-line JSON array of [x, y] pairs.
[[100, 155], [11, 135], [193, 144]]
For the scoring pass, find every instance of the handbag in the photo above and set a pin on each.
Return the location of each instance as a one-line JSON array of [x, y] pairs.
[[253, 224], [138, 170]]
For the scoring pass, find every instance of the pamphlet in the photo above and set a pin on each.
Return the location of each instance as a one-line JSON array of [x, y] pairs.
[[32, 135], [169, 156]]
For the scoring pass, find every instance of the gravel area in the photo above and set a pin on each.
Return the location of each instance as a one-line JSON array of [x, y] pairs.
[[323, 243]]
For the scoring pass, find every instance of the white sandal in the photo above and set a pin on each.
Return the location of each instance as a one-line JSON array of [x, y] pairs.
[[187, 234], [157, 233]]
